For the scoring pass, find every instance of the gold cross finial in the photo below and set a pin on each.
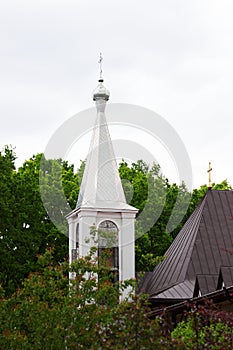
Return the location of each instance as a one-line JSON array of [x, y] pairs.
[[209, 172], [101, 71]]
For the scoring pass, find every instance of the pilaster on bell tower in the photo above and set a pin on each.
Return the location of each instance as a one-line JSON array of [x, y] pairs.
[[101, 201]]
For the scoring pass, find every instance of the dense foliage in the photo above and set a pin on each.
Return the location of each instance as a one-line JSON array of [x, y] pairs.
[[25, 226], [205, 327], [48, 312]]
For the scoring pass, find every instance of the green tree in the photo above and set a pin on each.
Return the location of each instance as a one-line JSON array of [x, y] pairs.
[[7, 201], [161, 207], [50, 312], [26, 228], [205, 327]]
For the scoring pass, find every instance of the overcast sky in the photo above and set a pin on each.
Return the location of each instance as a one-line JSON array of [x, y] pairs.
[[173, 57]]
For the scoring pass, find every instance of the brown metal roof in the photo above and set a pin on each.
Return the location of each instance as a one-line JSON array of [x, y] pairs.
[[178, 308], [202, 249]]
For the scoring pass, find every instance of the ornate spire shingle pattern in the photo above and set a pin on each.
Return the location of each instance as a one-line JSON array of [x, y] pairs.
[[101, 185]]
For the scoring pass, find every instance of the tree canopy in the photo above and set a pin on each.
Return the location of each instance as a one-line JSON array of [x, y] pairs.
[[50, 312]]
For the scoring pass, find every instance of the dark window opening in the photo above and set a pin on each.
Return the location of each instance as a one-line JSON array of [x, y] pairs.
[[108, 248]]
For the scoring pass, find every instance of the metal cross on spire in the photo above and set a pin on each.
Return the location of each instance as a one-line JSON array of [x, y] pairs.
[[209, 172], [101, 71]]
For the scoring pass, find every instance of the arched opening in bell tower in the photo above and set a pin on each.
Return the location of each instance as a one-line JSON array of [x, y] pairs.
[[108, 247]]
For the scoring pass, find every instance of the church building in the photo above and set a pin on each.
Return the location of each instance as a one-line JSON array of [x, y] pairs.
[[199, 262], [101, 202]]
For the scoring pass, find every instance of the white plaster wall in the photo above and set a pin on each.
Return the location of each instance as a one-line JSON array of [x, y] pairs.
[[125, 224]]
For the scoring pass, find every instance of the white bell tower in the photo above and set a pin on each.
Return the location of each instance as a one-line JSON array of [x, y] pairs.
[[101, 202]]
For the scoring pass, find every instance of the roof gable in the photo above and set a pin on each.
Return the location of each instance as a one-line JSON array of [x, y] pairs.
[[203, 247]]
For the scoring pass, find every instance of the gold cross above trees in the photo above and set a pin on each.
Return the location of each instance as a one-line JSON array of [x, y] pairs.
[[209, 172]]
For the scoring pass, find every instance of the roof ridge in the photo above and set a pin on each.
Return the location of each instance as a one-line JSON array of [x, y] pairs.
[[167, 269]]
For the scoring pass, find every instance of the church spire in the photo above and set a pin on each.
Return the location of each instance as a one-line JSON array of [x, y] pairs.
[[101, 201], [101, 184]]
